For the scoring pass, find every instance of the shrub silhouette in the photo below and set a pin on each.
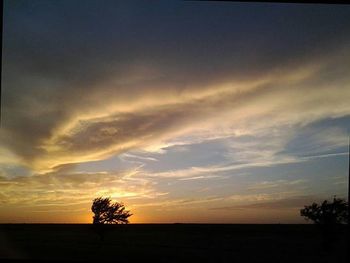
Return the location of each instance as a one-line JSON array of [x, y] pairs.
[[328, 213], [106, 212]]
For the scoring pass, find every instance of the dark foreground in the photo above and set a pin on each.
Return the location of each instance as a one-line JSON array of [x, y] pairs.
[[171, 243]]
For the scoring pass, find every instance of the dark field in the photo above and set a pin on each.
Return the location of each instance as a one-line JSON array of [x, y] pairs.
[[172, 243]]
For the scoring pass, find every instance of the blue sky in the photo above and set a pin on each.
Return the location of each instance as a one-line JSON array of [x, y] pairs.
[[185, 111]]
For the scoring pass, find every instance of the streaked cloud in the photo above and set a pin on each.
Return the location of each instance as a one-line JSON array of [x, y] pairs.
[[287, 203], [106, 100], [276, 184], [107, 120], [62, 188]]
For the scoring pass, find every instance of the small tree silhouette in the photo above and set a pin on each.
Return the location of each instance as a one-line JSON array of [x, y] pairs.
[[106, 212], [328, 213]]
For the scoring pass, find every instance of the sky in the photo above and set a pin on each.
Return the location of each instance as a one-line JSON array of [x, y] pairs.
[[187, 112]]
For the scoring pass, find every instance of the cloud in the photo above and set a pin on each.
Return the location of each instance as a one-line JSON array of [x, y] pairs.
[[322, 138], [106, 100], [285, 203], [102, 90], [276, 200], [96, 138], [132, 156], [200, 177], [276, 184], [180, 203], [66, 187]]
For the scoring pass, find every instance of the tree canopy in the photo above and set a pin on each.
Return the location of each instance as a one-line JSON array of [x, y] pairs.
[[107, 212], [335, 212]]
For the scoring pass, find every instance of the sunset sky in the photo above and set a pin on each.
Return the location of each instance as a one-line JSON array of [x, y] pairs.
[[184, 111]]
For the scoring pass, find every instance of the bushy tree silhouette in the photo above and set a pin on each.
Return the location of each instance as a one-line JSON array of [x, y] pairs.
[[327, 213], [106, 212]]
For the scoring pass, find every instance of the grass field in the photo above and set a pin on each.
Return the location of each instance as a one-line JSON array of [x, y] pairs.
[[171, 243]]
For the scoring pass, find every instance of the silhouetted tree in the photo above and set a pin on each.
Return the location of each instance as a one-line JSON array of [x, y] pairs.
[[106, 212], [327, 213]]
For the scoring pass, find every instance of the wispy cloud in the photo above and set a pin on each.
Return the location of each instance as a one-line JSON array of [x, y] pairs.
[[248, 106], [276, 184], [201, 177], [133, 156], [61, 188], [122, 85], [296, 202]]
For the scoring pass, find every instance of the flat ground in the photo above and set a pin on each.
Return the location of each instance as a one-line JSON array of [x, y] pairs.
[[171, 243]]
